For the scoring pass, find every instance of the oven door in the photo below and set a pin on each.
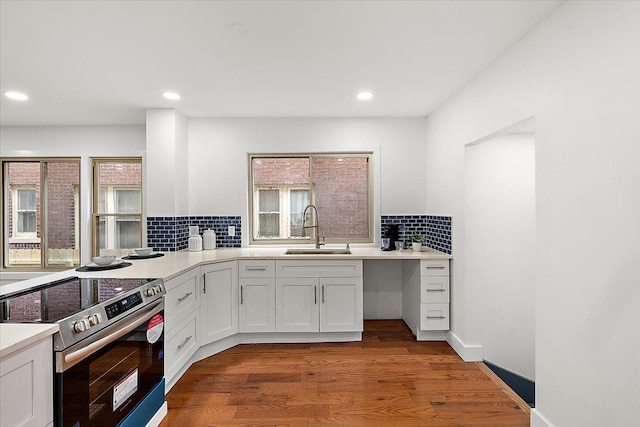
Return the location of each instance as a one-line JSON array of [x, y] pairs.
[[101, 379]]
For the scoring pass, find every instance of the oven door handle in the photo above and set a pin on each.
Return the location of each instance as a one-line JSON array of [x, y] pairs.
[[137, 319]]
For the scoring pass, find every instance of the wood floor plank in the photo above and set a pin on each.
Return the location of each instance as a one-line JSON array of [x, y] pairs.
[[388, 379]]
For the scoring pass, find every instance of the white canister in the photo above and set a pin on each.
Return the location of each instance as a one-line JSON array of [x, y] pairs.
[[209, 239], [195, 243]]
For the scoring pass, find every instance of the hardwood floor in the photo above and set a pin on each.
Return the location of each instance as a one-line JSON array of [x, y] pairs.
[[388, 379]]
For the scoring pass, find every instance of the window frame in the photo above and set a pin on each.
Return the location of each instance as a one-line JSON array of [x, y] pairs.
[[251, 194], [40, 217], [111, 219]]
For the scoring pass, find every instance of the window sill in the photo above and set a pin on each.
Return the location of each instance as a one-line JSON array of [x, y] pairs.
[[24, 240]]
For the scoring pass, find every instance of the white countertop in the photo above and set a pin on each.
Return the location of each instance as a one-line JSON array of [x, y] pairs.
[[16, 336], [13, 337]]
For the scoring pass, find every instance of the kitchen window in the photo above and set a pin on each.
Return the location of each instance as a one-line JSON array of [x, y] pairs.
[[40, 213], [117, 206], [282, 186]]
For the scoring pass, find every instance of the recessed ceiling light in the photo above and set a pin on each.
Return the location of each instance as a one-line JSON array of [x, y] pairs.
[[171, 95], [17, 96], [365, 95]]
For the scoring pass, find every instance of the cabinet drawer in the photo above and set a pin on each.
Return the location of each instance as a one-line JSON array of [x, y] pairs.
[[181, 347], [434, 289], [181, 300], [257, 268], [434, 317], [434, 267], [324, 268]]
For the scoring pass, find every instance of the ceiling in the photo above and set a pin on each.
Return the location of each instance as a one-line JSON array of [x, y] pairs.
[[106, 62]]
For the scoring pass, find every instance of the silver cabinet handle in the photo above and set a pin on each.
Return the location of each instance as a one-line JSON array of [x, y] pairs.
[[185, 342], [255, 268], [435, 267], [323, 294], [435, 290], [315, 294], [436, 317], [185, 296], [241, 296], [204, 283]]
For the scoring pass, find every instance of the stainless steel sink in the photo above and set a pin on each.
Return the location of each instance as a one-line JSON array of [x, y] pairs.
[[320, 251]]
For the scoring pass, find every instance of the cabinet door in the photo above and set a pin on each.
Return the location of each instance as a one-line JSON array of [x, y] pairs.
[[26, 386], [219, 301], [297, 305], [257, 305], [341, 304]]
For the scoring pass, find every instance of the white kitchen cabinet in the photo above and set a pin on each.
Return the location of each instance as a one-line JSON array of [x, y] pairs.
[[312, 296], [257, 311], [297, 307], [182, 313], [26, 386], [426, 290], [218, 301]]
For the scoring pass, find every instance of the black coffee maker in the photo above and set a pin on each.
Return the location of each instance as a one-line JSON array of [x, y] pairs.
[[389, 237]]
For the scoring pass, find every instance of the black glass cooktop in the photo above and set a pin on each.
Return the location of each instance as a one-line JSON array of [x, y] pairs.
[[55, 301]]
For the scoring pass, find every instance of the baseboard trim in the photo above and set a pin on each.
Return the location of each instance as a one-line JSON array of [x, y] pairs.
[[522, 386], [538, 420], [468, 353]]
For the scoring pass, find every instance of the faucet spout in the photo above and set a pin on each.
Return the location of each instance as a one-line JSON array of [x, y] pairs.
[[304, 227]]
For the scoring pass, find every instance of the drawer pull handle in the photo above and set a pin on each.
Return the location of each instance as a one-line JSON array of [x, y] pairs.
[[435, 267], [185, 342], [187, 295], [436, 317], [435, 290], [255, 268]]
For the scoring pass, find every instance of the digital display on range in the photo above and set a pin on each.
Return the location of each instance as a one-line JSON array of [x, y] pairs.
[[123, 305]]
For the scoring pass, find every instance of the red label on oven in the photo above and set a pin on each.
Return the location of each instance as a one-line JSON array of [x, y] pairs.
[[154, 328]]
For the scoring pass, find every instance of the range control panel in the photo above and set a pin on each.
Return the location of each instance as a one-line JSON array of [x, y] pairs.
[[123, 305]]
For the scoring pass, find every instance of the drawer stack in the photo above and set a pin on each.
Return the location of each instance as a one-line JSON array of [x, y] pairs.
[[434, 295], [182, 302]]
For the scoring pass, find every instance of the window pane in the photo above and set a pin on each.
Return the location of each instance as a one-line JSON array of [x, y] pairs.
[[63, 213], [127, 201], [26, 222], [341, 196], [26, 199], [118, 174], [269, 201], [269, 225], [298, 200], [127, 233], [22, 234]]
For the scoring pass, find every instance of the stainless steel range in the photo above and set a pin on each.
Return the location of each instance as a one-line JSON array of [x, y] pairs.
[[109, 352]]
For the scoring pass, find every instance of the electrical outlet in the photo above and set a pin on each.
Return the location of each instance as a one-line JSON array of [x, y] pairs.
[[232, 230]]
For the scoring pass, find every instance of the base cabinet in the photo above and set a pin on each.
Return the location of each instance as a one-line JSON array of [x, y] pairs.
[[26, 386], [257, 305], [312, 297], [182, 315], [218, 301]]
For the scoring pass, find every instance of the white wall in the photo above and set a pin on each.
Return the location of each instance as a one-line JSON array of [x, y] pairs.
[[218, 158], [167, 177], [500, 219], [577, 74], [74, 141]]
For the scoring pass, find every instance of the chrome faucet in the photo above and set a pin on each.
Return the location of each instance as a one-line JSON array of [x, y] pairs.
[[304, 228]]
